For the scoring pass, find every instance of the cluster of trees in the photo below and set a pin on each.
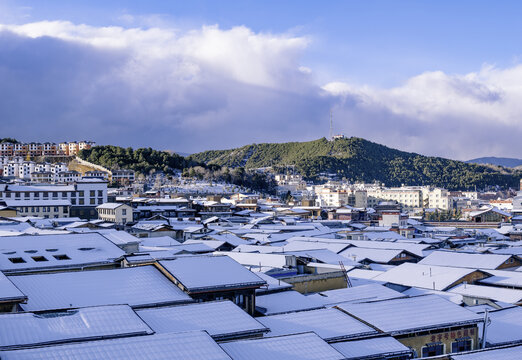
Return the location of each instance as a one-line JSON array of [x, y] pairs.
[[356, 159], [238, 176], [148, 161], [9, 140], [143, 160]]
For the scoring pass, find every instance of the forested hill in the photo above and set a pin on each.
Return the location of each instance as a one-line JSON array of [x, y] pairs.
[[357, 159]]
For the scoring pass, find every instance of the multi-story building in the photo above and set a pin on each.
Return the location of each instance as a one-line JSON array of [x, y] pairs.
[[44, 149], [117, 213], [81, 197], [123, 177], [411, 198]]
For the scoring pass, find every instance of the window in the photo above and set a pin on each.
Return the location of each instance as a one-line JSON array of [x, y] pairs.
[[65, 210], [56, 209], [64, 194], [61, 257], [124, 211], [100, 192], [73, 201], [7, 194], [26, 195], [36, 195], [39, 258], [80, 193], [433, 349], [92, 201], [81, 201], [55, 195], [45, 194], [462, 344], [17, 260], [17, 195], [100, 201], [92, 193]]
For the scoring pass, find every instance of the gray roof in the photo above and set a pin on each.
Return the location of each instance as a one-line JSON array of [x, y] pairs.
[[329, 324], [395, 316], [505, 326], [221, 319], [292, 347], [193, 345], [102, 322], [511, 353], [285, 302], [201, 273], [38, 252], [368, 292], [137, 286], [374, 348], [465, 260], [8, 291]]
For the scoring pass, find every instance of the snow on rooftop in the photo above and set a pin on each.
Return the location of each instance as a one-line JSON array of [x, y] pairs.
[[330, 324], [424, 276], [22, 253], [511, 296], [220, 319], [8, 291], [395, 316], [307, 346], [193, 345], [136, 286], [285, 302], [30, 329], [369, 292], [510, 353], [465, 260], [199, 273], [374, 348]]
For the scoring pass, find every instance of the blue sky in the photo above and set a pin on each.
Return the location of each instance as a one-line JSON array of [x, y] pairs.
[[409, 74]]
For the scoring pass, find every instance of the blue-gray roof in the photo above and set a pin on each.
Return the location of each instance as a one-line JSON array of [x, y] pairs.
[[206, 273], [137, 286], [193, 345], [30, 329], [395, 316], [221, 319], [371, 348]]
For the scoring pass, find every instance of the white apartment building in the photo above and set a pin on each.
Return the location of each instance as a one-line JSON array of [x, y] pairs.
[[82, 197], [117, 213], [411, 197]]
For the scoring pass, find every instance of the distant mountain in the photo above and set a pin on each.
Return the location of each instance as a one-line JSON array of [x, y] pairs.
[[499, 161], [357, 159]]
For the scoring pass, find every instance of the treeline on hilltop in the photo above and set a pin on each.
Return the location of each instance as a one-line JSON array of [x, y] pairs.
[[148, 161], [8, 140], [143, 160], [359, 160]]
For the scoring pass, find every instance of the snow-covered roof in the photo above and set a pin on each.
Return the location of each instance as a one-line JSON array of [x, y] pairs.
[[376, 255], [26, 253], [192, 345], [395, 315], [8, 291], [110, 206], [90, 323], [272, 284], [424, 276], [504, 278], [373, 348], [285, 302], [137, 286], [305, 346], [330, 324], [465, 260], [510, 353], [511, 296], [369, 292], [223, 320], [203, 273]]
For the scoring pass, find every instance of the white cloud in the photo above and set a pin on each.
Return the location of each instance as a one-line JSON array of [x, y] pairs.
[[218, 88]]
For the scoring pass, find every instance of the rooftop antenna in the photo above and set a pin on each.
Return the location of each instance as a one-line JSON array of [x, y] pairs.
[[331, 124]]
